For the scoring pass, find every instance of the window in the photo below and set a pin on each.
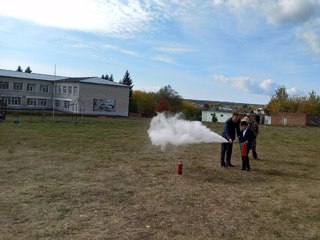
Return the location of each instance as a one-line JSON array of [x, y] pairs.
[[57, 103], [75, 90], [60, 89], [66, 104], [16, 102], [64, 89], [31, 102], [44, 88], [7, 100], [55, 89], [4, 85], [69, 89], [31, 87], [17, 86], [42, 102]]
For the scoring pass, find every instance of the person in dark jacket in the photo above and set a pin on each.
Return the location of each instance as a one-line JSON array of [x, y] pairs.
[[246, 139], [231, 128], [254, 126]]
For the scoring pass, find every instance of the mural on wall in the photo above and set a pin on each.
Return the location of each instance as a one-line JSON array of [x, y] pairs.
[[104, 105]]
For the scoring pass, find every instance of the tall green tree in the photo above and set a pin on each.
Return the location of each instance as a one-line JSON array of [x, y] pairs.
[[126, 80], [19, 69], [111, 78], [28, 70]]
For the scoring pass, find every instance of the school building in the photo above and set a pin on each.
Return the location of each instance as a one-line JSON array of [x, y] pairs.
[[80, 95]]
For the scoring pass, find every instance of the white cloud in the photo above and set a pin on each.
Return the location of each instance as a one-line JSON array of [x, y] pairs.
[[310, 33], [276, 11], [107, 17], [164, 59], [242, 83], [281, 11], [247, 84], [121, 50], [266, 85], [174, 49], [293, 91], [312, 38]]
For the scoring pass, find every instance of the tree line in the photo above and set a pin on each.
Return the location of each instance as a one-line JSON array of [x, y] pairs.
[[282, 102]]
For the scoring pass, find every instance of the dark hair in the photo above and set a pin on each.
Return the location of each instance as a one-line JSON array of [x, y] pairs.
[[244, 123], [235, 114]]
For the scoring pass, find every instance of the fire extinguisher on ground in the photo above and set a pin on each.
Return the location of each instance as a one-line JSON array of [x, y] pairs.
[[180, 165]]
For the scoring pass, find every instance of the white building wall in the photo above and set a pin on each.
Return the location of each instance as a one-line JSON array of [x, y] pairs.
[[221, 116], [117, 95]]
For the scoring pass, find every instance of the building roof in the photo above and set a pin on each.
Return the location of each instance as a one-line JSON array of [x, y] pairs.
[[35, 76], [98, 80], [45, 77]]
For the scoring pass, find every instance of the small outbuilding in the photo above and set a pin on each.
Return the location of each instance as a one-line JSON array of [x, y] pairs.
[[221, 116], [295, 119]]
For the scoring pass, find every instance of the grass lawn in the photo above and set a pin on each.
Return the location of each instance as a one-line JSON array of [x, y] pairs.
[[104, 180]]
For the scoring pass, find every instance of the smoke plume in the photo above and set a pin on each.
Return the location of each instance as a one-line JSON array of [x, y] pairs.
[[173, 130]]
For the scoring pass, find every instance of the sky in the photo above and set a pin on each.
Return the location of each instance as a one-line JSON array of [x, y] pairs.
[[218, 50]]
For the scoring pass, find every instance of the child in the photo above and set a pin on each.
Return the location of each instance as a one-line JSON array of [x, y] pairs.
[[246, 137]]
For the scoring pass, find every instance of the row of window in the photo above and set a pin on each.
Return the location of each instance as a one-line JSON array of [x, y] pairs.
[[62, 104], [16, 101], [34, 102], [66, 90], [32, 87]]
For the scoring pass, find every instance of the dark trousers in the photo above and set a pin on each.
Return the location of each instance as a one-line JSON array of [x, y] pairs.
[[226, 151], [245, 163], [254, 147]]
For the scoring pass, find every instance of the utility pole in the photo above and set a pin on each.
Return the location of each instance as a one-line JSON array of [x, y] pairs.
[[53, 90]]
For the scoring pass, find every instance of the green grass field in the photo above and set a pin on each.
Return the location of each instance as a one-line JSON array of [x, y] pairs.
[[104, 180]]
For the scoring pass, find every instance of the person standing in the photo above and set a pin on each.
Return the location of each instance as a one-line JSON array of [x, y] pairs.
[[246, 138], [231, 128], [254, 126]]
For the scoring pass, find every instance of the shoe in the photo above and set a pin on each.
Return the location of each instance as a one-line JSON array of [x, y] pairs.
[[243, 169], [248, 170], [230, 165]]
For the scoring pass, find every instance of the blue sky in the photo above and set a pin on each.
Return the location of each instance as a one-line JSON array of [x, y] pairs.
[[221, 50]]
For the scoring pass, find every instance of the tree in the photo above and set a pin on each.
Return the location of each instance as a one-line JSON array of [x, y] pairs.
[[171, 95], [163, 105], [145, 103], [190, 110], [28, 70], [126, 80], [281, 102], [278, 102], [111, 78], [19, 69], [214, 118], [206, 106]]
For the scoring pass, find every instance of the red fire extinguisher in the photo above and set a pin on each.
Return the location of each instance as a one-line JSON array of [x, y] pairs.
[[244, 151], [180, 165]]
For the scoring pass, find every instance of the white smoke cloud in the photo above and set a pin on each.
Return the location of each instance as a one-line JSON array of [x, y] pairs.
[[173, 130]]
